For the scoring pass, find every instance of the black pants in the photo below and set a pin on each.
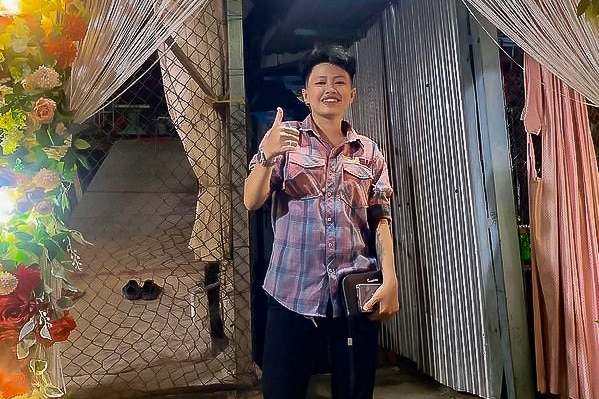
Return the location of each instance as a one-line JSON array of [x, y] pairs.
[[290, 348]]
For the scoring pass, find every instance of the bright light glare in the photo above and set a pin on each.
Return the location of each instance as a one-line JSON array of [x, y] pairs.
[[10, 7], [7, 206]]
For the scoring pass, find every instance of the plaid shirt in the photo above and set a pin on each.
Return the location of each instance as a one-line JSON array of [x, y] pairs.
[[325, 200]]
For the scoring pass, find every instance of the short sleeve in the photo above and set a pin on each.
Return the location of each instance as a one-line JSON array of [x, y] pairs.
[[379, 200]]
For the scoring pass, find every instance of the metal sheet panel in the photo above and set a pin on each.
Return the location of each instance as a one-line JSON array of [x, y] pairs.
[[416, 101]]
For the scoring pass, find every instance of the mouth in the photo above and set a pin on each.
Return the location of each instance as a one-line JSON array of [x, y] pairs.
[[331, 100]]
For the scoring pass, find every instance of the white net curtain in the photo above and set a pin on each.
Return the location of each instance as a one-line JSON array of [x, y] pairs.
[[550, 31], [122, 34], [200, 124]]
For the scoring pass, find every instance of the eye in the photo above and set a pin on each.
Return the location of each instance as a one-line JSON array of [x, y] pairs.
[[319, 83], [340, 82]]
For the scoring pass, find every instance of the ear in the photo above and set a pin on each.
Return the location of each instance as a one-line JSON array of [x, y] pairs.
[[352, 95], [305, 96]]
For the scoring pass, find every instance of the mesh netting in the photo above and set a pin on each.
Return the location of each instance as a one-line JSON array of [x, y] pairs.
[[513, 83], [162, 302]]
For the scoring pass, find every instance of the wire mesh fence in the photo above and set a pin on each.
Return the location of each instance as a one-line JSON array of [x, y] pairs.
[[161, 303], [513, 83]]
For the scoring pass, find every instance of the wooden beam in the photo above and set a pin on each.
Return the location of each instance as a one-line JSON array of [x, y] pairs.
[[191, 69]]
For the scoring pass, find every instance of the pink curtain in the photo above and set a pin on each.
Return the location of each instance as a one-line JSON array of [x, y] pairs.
[[564, 222]]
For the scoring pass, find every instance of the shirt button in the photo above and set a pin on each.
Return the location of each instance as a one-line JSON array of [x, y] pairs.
[[329, 219], [331, 270], [330, 245]]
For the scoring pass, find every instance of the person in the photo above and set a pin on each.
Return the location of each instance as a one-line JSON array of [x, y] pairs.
[[331, 202]]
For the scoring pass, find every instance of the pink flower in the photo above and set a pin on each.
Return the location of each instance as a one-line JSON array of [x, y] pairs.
[[43, 110], [47, 179]]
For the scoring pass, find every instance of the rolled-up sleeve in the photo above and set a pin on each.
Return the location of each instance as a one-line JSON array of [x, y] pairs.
[[379, 201]]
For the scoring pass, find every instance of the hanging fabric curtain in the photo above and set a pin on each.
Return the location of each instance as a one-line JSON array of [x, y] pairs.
[[200, 51], [122, 35], [564, 222], [550, 31]]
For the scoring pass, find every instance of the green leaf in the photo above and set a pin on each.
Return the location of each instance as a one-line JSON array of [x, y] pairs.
[[70, 159], [52, 391], [53, 248], [65, 203], [23, 348], [83, 161], [57, 270], [75, 128], [81, 144], [19, 255], [22, 351], [38, 367], [22, 236], [4, 247], [582, 7], [77, 236], [32, 247], [27, 329], [40, 155], [594, 9], [8, 264], [43, 137], [26, 228]]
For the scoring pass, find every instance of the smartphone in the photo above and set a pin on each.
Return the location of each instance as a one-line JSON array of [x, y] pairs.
[[364, 293]]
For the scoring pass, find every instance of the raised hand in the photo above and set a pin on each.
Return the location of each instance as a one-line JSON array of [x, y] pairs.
[[280, 138]]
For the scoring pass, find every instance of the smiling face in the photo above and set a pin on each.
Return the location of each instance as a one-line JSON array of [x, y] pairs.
[[328, 90]]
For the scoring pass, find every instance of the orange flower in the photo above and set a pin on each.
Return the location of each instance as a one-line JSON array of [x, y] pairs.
[[13, 383], [13, 380], [5, 21], [74, 27], [63, 49], [43, 110]]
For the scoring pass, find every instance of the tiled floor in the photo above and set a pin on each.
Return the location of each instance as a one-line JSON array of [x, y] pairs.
[[392, 383], [139, 212]]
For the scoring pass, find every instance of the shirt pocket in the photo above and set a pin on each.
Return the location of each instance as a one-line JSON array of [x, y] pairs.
[[304, 176], [356, 183]]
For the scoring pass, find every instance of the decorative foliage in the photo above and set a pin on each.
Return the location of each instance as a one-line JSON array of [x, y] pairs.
[[588, 8], [38, 162]]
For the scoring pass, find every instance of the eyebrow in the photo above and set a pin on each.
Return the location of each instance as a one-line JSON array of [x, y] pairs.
[[334, 77]]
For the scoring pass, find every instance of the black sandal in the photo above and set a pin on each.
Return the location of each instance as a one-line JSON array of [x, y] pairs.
[[150, 290], [132, 290]]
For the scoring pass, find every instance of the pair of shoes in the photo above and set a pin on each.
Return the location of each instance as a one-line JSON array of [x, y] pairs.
[[148, 291]]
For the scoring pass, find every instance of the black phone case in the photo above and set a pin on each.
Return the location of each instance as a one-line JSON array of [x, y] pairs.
[[349, 290]]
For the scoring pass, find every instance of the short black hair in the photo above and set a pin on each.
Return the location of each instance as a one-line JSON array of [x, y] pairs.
[[328, 53]]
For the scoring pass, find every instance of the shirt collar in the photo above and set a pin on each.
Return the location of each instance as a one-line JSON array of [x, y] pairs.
[[351, 134]]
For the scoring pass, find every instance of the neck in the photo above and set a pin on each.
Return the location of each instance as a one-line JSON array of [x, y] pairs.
[[330, 127]]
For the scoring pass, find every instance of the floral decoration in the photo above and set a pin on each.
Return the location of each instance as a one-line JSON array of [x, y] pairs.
[[38, 163]]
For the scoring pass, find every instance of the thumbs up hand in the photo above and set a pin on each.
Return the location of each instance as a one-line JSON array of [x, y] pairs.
[[280, 138]]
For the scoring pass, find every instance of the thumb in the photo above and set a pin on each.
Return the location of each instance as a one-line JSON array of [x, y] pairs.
[[279, 117], [371, 302]]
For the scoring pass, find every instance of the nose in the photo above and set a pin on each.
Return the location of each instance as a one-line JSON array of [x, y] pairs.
[[330, 88]]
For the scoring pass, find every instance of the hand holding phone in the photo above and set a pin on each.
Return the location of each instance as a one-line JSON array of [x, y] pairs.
[[364, 293]]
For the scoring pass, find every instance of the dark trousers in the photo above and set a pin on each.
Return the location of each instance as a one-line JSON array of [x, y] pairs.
[[291, 345]]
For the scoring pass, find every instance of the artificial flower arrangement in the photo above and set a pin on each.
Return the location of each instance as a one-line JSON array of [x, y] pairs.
[[38, 164]]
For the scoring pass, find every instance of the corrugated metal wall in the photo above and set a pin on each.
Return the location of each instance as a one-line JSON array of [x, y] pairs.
[[415, 100]]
